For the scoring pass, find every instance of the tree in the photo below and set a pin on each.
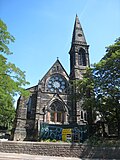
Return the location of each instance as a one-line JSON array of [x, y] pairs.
[[12, 79], [100, 87], [107, 85], [85, 92]]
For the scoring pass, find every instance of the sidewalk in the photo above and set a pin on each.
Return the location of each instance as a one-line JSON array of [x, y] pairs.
[[15, 156]]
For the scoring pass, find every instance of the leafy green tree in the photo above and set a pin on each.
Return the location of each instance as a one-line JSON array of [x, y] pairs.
[[100, 87], [107, 85], [85, 92], [5, 38], [12, 79]]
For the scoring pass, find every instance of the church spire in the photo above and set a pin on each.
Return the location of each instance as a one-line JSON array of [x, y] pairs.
[[78, 35], [79, 61], [79, 54]]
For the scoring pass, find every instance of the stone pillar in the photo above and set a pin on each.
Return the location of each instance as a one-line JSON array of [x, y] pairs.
[[65, 117], [55, 115], [48, 117]]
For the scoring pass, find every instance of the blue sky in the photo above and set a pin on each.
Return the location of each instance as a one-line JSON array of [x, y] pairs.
[[43, 31]]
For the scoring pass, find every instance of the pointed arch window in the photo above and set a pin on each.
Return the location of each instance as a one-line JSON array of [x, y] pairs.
[[57, 112], [72, 61], [82, 57]]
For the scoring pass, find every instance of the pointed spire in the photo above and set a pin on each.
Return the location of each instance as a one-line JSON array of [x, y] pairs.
[[78, 35]]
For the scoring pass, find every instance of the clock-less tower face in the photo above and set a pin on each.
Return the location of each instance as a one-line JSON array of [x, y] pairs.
[[56, 83]]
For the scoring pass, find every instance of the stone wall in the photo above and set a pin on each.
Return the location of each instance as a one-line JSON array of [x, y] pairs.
[[60, 149]]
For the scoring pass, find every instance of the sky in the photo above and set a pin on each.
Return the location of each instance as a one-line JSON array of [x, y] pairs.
[[43, 31]]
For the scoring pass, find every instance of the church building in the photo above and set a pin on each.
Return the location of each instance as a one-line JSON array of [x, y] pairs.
[[51, 100]]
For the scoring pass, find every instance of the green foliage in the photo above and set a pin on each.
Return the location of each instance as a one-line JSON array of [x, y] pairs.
[[7, 115], [107, 73], [100, 87], [107, 82], [12, 79], [103, 142], [47, 140], [5, 38], [54, 140], [85, 89]]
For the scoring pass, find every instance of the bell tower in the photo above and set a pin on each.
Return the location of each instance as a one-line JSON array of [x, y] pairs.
[[79, 55], [79, 60]]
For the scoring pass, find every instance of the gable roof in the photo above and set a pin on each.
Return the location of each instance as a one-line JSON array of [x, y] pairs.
[[57, 62]]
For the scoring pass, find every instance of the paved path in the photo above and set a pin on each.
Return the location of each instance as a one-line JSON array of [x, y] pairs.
[[15, 156]]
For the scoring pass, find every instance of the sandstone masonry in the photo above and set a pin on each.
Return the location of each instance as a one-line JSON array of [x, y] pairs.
[[60, 149]]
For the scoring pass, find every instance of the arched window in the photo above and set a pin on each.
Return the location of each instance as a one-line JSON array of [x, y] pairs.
[[81, 114], [57, 112], [29, 107], [71, 62], [82, 57]]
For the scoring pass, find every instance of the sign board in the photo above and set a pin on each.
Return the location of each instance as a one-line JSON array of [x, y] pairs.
[[66, 134], [67, 131]]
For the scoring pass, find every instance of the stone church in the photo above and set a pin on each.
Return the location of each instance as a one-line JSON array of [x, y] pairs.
[[51, 100]]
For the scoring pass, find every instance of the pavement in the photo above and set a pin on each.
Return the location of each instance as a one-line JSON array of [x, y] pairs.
[[15, 156]]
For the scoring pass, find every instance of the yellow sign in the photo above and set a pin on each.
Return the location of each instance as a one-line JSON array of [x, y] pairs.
[[67, 131], [66, 134], [64, 137]]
